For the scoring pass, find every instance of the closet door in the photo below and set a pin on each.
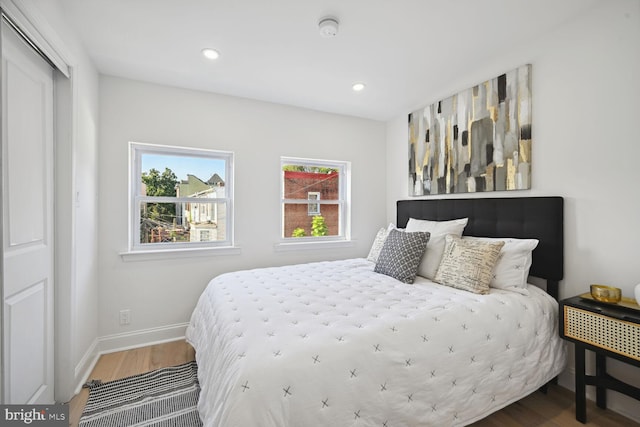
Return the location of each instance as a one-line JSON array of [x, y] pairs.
[[27, 223]]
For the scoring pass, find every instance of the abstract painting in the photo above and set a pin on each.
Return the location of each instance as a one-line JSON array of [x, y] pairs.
[[477, 140]]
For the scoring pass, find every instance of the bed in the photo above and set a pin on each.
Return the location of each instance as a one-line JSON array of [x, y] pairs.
[[339, 344]]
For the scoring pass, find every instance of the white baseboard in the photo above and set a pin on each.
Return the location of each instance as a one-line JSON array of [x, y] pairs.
[[85, 366], [141, 338], [124, 341], [88, 360]]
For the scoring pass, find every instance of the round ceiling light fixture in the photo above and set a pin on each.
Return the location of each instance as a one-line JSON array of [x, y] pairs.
[[358, 87], [328, 27], [210, 53]]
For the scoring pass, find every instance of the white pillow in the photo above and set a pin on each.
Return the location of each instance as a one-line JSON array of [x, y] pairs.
[[438, 230], [512, 269], [378, 242]]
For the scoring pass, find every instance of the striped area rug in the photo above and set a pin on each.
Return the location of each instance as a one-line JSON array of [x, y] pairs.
[[164, 397]]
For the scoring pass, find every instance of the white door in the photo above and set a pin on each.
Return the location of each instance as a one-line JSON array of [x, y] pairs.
[[27, 223]]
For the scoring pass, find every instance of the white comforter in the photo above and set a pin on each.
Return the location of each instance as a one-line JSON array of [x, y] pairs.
[[335, 344]]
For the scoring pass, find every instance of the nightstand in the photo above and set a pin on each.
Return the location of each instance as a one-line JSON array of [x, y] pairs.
[[609, 330]]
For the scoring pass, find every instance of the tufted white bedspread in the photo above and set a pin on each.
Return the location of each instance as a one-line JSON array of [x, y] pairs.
[[335, 344]]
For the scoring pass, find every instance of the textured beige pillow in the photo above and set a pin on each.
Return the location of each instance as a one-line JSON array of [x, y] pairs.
[[512, 268], [468, 264]]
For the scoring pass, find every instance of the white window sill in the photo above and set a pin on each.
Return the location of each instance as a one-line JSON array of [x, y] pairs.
[[297, 246], [162, 254]]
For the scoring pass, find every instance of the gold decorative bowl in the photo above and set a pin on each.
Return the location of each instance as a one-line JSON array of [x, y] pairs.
[[604, 293]]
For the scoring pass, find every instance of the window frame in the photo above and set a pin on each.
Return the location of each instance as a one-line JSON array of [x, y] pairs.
[[344, 202], [139, 149], [312, 202]]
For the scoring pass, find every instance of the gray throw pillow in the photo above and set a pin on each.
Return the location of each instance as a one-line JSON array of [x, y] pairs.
[[401, 254]]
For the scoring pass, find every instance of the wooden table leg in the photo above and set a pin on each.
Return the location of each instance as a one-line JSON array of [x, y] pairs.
[[581, 398], [601, 372]]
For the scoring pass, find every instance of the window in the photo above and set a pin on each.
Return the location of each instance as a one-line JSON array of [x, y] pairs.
[[314, 208], [205, 235], [180, 198], [315, 199]]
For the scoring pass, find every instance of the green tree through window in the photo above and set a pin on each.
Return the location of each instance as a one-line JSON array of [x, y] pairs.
[[160, 185]]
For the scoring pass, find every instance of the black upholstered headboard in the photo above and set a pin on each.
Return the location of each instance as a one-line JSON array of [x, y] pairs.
[[539, 218]]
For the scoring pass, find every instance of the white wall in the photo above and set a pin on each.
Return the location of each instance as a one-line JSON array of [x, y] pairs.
[[586, 148], [76, 203], [162, 294]]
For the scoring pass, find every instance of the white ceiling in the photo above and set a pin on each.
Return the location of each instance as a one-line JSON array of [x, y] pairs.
[[272, 50]]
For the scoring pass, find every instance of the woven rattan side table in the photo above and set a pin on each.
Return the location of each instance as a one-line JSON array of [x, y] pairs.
[[609, 330]]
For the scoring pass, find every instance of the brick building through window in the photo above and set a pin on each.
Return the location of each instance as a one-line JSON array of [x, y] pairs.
[[314, 187]]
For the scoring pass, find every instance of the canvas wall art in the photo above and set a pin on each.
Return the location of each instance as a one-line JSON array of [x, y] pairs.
[[477, 140]]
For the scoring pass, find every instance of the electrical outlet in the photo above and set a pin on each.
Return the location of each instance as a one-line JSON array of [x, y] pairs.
[[125, 317]]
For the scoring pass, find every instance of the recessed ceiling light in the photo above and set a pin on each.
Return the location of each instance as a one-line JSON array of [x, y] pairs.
[[210, 53], [358, 87]]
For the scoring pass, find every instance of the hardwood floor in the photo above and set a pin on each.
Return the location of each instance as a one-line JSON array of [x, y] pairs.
[[555, 409], [114, 366]]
